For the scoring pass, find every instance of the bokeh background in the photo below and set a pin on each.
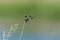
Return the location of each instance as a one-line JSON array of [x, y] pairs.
[[45, 26]]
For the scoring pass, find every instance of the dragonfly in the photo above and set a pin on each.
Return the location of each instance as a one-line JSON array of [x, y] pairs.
[[28, 18]]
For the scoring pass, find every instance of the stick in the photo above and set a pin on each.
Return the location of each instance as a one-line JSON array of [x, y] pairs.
[[22, 31]]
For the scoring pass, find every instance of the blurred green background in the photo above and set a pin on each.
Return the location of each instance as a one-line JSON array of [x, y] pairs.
[[47, 14], [49, 9]]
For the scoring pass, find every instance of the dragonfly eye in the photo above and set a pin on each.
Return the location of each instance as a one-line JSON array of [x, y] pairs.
[[25, 16], [29, 16]]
